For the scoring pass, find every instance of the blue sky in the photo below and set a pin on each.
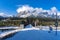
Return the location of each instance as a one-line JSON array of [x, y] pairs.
[[10, 6]]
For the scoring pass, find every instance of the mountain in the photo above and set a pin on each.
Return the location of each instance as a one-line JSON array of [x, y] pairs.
[[28, 11], [24, 14], [1, 16]]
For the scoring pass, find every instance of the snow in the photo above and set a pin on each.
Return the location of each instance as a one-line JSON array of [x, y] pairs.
[[11, 27], [32, 33], [29, 26], [26, 29]]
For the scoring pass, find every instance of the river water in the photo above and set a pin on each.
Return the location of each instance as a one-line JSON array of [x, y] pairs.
[[34, 35]]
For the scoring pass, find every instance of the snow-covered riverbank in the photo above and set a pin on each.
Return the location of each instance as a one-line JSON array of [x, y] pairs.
[[32, 33]]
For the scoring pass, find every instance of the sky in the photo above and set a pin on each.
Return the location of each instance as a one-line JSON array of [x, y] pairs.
[[10, 6]]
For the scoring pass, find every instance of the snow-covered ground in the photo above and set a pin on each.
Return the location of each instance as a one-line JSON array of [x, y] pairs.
[[32, 33]]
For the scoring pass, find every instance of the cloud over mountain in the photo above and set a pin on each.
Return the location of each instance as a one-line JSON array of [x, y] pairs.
[[26, 10]]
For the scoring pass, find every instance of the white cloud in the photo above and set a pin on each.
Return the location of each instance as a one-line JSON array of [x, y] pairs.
[[54, 9], [58, 13], [24, 8]]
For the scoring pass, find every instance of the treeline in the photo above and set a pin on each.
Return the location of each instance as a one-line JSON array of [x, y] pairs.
[[16, 21]]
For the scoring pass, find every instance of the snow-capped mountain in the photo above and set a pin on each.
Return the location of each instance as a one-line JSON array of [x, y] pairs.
[[27, 11], [5, 15], [25, 14]]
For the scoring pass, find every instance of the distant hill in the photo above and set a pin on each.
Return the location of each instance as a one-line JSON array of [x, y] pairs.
[[1, 17]]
